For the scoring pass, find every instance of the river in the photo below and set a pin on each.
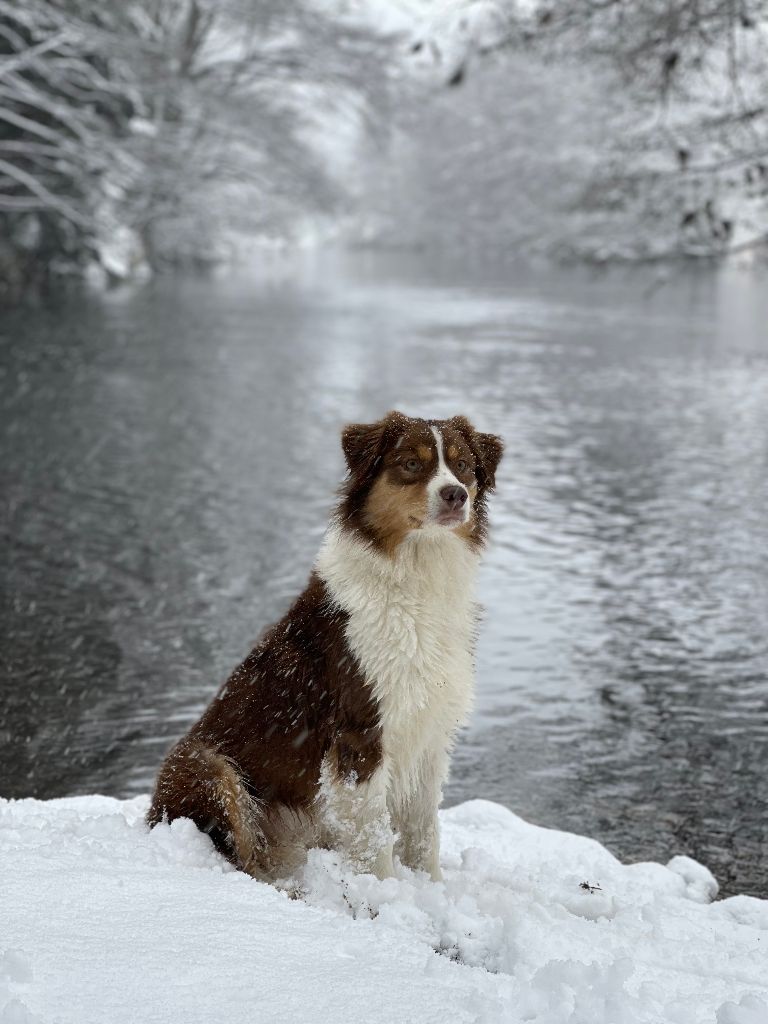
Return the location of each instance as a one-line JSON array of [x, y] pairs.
[[169, 458]]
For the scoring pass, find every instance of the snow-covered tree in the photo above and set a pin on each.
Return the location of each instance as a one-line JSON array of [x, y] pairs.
[[131, 132], [685, 168], [63, 99], [690, 167], [150, 131], [636, 128]]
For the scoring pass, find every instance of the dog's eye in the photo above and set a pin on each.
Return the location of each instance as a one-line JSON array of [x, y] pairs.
[[412, 465]]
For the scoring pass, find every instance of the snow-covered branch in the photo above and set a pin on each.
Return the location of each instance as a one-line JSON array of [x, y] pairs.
[[134, 119]]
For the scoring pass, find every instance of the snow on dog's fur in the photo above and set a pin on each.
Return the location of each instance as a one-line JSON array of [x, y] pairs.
[[336, 729]]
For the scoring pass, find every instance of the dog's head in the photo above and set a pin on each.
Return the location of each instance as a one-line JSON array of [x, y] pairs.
[[409, 475]]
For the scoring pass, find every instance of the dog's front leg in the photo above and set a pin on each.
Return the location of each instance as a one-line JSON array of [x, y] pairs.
[[416, 820], [356, 820]]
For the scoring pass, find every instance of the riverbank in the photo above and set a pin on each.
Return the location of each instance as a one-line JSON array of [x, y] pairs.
[[105, 921]]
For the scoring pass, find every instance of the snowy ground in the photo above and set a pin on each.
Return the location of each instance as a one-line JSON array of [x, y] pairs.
[[103, 921]]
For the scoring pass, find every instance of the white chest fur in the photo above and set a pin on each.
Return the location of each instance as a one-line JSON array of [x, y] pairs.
[[411, 627]]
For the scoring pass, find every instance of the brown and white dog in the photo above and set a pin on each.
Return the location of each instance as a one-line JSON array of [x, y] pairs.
[[337, 728]]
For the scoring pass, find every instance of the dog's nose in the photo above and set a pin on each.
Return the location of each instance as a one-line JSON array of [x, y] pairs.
[[454, 497]]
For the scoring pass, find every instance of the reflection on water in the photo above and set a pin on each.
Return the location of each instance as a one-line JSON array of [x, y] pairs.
[[169, 458]]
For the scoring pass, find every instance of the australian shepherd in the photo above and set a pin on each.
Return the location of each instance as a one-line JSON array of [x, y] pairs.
[[337, 728]]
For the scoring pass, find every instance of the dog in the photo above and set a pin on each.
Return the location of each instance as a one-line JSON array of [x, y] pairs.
[[336, 730]]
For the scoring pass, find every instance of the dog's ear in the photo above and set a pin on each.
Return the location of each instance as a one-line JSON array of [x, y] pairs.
[[487, 448], [490, 448], [363, 444]]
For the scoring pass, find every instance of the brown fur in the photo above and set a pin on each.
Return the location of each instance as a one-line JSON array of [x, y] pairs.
[[207, 787], [297, 697], [253, 759], [392, 511]]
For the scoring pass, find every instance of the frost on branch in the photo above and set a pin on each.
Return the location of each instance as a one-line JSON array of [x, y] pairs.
[[129, 133], [688, 170], [602, 129]]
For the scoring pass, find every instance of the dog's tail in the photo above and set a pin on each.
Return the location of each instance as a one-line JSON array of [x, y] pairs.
[[198, 782]]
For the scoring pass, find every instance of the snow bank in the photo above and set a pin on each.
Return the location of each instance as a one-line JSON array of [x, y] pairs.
[[103, 921]]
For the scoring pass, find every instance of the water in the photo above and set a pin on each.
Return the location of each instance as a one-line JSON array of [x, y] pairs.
[[169, 457]]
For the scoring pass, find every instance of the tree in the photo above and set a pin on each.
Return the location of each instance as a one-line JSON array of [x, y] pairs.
[[691, 167], [61, 97], [129, 133], [653, 136]]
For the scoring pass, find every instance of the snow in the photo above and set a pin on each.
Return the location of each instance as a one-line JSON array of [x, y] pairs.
[[438, 37], [102, 920]]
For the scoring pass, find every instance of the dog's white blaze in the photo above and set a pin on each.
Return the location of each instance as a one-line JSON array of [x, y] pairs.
[[443, 478], [411, 628]]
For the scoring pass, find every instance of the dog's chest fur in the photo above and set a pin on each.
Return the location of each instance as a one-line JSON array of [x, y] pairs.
[[411, 628]]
